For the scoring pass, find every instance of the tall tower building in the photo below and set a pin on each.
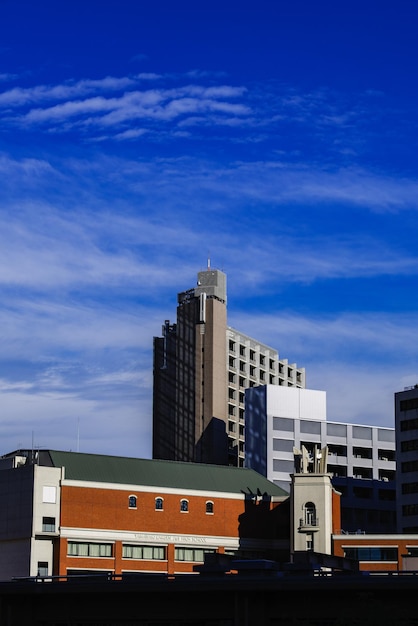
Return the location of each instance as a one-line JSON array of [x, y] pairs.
[[406, 426], [201, 370]]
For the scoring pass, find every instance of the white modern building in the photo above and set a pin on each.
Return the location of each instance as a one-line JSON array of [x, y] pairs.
[[361, 458]]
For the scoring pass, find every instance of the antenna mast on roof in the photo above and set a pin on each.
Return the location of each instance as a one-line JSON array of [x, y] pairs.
[[208, 262]]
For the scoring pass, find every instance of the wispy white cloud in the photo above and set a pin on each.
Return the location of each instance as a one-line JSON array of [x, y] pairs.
[[132, 133], [53, 246], [20, 96], [163, 102], [360, 360], [92, 103], [94, 247], [153, 104], [66, 421], [8, 77], [353, 333]]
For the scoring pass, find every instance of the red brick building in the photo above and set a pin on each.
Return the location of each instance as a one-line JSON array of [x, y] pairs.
[[67, 513], [379, 552]]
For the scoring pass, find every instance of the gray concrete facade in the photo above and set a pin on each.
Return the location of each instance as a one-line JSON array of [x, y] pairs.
[[361, 458]]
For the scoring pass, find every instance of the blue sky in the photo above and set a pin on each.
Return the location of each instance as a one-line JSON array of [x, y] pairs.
[[137, 138]]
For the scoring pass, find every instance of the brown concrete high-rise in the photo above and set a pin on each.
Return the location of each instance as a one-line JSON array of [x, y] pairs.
[[201, 370], [189, 413]]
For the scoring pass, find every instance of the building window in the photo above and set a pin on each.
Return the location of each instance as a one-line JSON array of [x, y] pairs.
[[310, 514], [362, 432], [82, 548], [42, 568], [49, 494], [408, 405], [409, 445], [159, 504], [362, 453], [410, 509], [48, 524], [338, 471], [148, 553], [209, 507], [132, 502], [387, 494], [386, 455], [363, 492], [386, 475], [411, 424], [409, 488], [191, 554], [184, 506], [409, 466], [337, 450], [283, 423], [364, 473], [231, 345], [337, 430], [242, 350], [262, 359], [371, 554]]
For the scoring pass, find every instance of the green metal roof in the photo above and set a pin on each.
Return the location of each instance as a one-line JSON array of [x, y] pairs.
[[172, 474]]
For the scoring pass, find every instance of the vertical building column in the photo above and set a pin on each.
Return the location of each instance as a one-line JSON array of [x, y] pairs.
[[170, 559], [117, 556]]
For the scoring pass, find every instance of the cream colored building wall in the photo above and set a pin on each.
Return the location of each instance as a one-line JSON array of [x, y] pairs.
[[210, 360], [46, 503], [315, 488], [249, 364]]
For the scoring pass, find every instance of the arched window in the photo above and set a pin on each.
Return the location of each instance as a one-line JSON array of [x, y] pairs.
[[310, 514], [184, 506], [209, 507], [132, 502], [159, 504]]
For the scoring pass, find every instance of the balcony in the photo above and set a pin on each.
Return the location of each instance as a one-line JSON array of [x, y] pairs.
[[308, 524]]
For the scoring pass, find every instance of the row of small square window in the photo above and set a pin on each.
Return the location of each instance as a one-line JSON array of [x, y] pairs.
[[251, 353], [159, 504]]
